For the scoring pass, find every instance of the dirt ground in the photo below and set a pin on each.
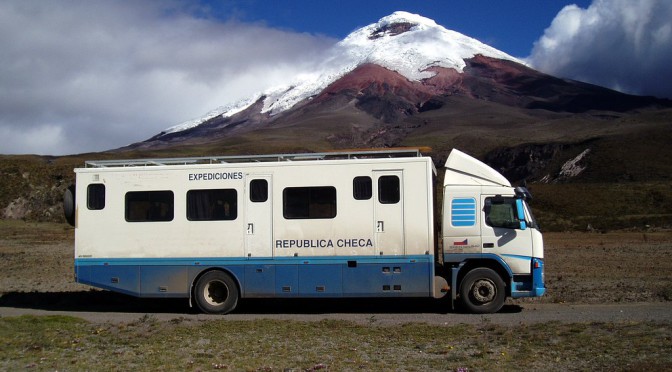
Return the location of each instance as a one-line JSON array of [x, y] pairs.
[[614, 267], [581, 268]]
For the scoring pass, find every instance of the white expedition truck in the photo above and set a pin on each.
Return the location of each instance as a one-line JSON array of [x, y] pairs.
[[338, 224]]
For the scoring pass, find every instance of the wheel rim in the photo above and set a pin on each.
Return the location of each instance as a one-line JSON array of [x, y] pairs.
[[215, 293], [484, 291]]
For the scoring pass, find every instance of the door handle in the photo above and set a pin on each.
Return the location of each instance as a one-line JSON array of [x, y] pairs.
[[250, 229], [380, 226], [488, 245]]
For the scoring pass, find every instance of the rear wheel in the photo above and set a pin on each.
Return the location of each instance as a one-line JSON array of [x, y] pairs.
[[216, 293], [482, 291]]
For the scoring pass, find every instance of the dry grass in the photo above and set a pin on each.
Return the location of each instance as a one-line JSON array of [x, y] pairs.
[[603, 206], [36, 256], [64, 343]]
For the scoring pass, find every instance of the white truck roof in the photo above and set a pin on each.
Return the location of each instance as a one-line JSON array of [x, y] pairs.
[[332, 155], [462, 169]]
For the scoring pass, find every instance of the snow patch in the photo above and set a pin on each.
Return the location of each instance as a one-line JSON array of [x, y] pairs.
[[572, 168], [223, 111]]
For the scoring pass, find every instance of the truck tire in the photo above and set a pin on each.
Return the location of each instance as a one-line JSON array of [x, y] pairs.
[[69, 205], [216, 293], [482, 291]]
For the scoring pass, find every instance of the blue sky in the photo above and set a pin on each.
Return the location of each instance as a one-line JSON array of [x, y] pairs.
[[511, 26], [91, 75]]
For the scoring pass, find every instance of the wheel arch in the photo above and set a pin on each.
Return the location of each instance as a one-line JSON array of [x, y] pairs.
[[494, 263]]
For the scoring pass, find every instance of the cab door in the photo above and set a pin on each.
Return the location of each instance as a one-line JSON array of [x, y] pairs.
[[389, 212], [504, 235]]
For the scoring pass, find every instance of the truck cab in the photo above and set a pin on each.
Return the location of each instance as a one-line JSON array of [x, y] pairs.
[[492, 246]]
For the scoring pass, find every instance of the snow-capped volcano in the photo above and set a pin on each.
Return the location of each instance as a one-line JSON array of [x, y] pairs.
[[392, 82], [406, 43]]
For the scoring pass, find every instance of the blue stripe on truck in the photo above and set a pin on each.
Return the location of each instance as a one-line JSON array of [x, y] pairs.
[[355, 276]]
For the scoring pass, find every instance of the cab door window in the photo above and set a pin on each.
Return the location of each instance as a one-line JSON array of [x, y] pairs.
[[501, 212]]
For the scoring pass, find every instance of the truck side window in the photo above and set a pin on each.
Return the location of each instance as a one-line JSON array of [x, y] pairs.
[[388, 190], [149, 206], [309, 202], [212, 205], [362, 188], [95, 196], [258, 191], [501, 212]]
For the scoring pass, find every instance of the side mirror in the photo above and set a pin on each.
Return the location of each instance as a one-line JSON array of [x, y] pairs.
[[521, 214]]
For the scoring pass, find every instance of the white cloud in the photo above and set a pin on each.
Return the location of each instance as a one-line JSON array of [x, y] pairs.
[[621, 44], [82, 75]]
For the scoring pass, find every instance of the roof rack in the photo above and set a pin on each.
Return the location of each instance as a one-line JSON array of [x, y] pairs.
[[357, 154]]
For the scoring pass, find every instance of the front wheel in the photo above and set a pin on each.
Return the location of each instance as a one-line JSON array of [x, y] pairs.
[[482, 291], [216, 293]]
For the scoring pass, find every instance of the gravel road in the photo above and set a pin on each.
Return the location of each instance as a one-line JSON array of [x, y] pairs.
[[105, 307]]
